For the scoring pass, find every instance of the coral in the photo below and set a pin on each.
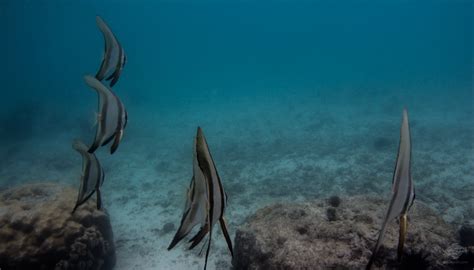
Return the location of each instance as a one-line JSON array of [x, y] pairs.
[[37, 230], [326, 238]]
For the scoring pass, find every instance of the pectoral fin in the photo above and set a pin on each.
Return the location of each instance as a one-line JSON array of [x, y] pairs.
[[96, 119]]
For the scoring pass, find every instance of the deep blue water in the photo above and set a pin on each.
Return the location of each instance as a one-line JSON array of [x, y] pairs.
[[178, 49], [210, 55]]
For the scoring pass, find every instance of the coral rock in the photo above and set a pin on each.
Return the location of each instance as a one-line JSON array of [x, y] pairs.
[[274, 238], [37, 230]]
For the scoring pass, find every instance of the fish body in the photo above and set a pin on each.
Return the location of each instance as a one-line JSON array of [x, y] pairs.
[[403, 191], [206, 200], [112, 116], [114, 55], [92, 176]]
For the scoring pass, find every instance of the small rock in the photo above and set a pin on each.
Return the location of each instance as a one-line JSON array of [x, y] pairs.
[[331, 214], [334, 201], [167, 228]]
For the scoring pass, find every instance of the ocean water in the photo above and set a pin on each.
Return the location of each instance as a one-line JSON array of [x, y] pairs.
[[298, 100]]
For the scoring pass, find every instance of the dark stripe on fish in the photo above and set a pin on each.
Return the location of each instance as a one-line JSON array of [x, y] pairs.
[[120, 125], [223, 204], [101, 125], [205, 167]]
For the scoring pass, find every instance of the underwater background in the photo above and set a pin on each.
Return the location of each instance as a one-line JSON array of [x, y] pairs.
[[298, 100]]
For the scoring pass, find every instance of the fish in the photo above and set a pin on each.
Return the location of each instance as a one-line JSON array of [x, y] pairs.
[[114, 58], [92, 176], [112, 117], [206, 200], [403, 191]]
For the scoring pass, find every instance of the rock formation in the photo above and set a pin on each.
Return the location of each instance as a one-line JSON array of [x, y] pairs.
[[327, 235], [37, 230]]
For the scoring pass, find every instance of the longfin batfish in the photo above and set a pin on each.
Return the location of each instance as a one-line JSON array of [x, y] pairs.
[[112, 116], [92, 176], [206, 200], [114, 55], [403, 191]]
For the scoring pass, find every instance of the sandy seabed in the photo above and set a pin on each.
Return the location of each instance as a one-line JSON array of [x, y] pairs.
[[277, 152]]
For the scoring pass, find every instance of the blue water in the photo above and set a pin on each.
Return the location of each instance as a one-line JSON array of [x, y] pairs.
[[314, 86]]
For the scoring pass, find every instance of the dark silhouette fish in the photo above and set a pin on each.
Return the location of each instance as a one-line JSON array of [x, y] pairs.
[[403, 191], [111, 119], [206, 200], [114, 55], [92, 176]]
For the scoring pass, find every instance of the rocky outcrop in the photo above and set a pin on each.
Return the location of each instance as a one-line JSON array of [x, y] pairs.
[[340, 234], [37, 230]]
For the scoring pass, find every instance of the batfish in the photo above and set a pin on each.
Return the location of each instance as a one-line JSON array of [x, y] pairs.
[[403, 191], [92, 176], [206, 200], [111, 118], [114, 56]]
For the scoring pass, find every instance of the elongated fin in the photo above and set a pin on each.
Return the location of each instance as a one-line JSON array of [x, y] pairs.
[[402, 236], [180, 234], [81, 202], [225, 232], [377, 245], [208, 245], [194, 212], [199, 236]]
